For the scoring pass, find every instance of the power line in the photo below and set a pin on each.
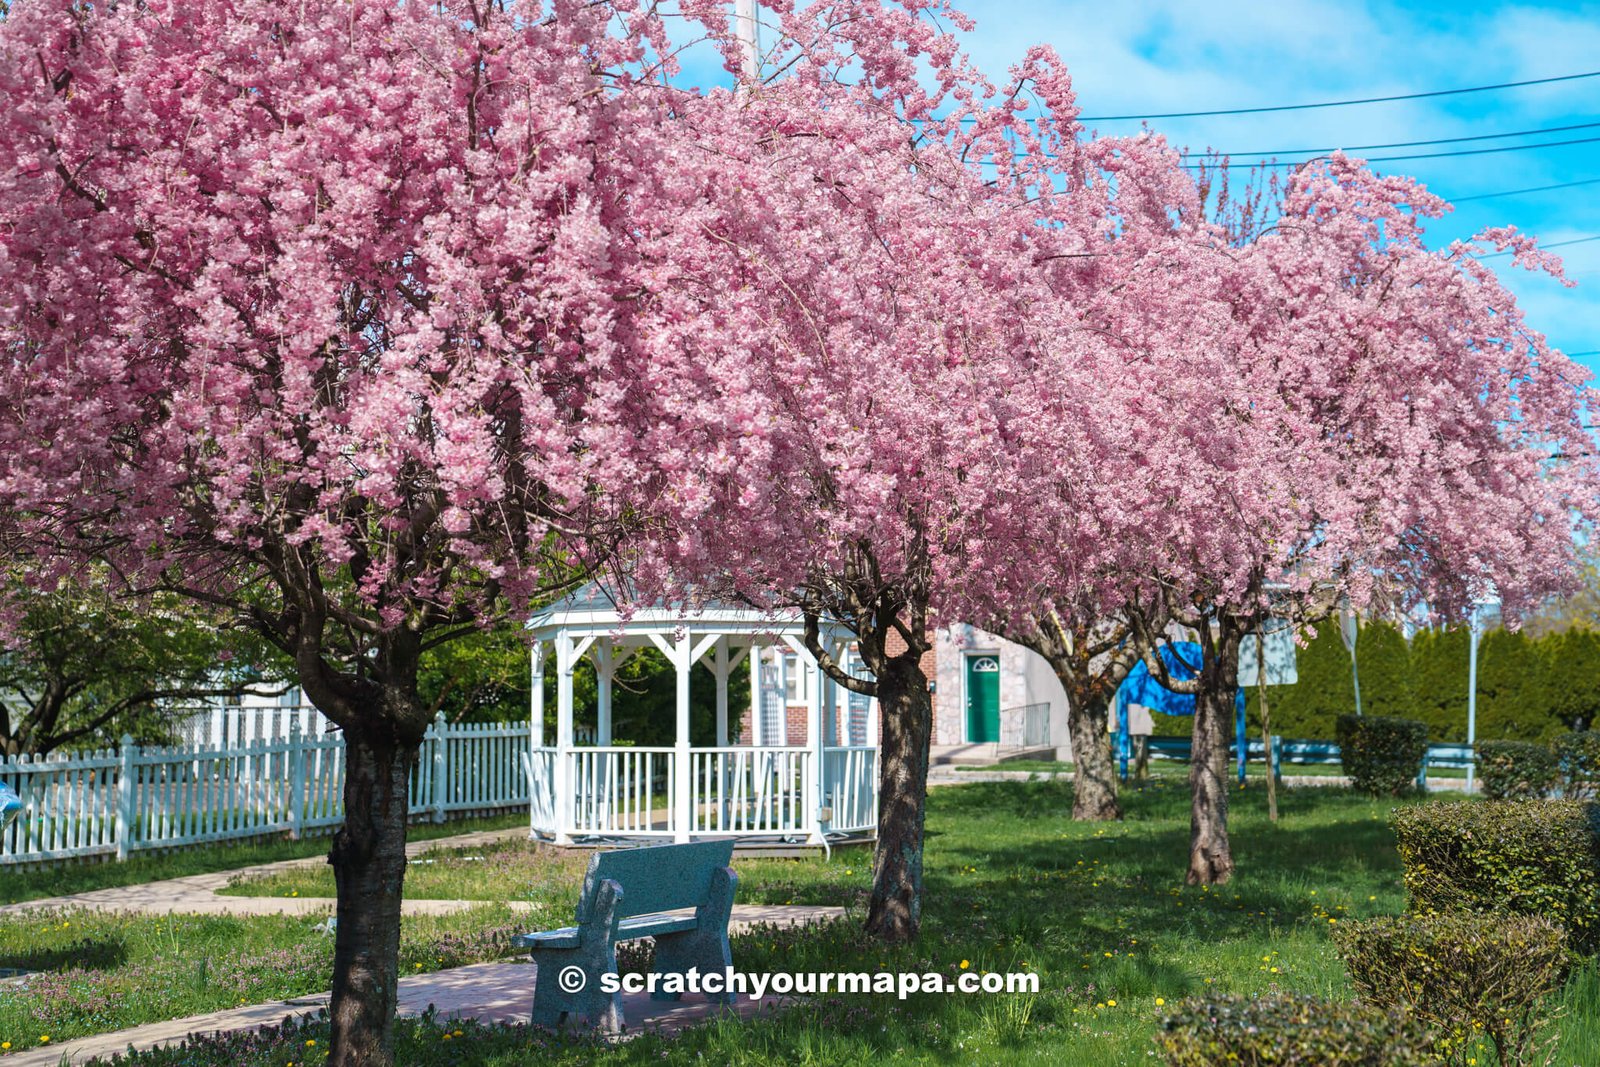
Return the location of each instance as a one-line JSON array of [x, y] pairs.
[[1552, 244], [1341, 103], [1424, 155], [1406, 144], [1519, 192]]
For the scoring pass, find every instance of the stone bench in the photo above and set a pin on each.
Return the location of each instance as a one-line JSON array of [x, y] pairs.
[[626, 895]]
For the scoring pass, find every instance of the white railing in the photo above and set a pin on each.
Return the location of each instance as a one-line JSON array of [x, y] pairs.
[[1024, 727], [850, 788], [117, 802], [539, 766], [735, 790], [622, 790], [750, 790]]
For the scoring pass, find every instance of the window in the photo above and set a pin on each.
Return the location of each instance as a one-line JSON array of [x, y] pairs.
[[796, 678]]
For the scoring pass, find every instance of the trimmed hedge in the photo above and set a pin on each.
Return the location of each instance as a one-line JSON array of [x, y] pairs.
[[1382, 756], [1517, 770], [1527, 857], [1291, 1030], [1464, 975], [1578, 757]]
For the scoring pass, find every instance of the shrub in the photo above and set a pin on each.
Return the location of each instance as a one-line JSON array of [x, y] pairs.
[[1465, 976], [1382, 756], [1578, 757], [1291, 1030], [1517, 770], [1528, 857]]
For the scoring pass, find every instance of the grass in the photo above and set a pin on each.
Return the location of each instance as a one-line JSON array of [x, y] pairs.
[[79, 876], [517, 870], [1100, 912], [99, 971]]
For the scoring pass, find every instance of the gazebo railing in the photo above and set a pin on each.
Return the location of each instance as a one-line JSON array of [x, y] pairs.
[[767, 791], [622, 790], [745, 790], [850, 784]]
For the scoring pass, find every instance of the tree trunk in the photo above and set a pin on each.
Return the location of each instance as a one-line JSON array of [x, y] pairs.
[[905, 709], [369, 864], [1094, 772], [1210, 855]]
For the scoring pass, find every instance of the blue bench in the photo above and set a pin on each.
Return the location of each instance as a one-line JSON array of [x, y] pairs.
[[627, 894]]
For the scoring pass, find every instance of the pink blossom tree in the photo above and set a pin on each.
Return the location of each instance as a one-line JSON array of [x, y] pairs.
[[928, 379], [1382, 424]]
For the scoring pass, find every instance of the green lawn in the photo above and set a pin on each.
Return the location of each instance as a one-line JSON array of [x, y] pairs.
[[78, 876], [1100, 912]]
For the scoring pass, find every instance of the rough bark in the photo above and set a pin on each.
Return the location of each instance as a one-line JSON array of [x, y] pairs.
[[1094, 771], [1210, 854], [905, 709], [369, 864]]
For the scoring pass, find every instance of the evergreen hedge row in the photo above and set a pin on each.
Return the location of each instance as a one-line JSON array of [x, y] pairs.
[[1529, 689]]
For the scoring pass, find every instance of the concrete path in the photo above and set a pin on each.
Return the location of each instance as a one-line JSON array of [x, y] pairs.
[[491, 992]]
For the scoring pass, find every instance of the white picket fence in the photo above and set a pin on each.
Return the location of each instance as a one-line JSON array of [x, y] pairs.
[[120, 801]]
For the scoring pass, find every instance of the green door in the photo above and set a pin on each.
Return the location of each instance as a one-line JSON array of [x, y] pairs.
[[983, 698]]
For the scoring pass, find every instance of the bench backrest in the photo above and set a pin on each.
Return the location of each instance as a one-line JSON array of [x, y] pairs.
[[655, 878]]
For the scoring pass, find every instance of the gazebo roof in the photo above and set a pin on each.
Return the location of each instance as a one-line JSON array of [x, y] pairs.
[[595, 609]]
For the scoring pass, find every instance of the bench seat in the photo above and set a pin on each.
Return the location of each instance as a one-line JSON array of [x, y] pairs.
[[627, 929], [681, 895]]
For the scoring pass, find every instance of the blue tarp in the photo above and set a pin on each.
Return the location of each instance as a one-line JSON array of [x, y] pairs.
[[1182, 660], [10, 804]]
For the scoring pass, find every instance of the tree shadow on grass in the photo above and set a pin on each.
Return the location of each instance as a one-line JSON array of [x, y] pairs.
[[90, 954]]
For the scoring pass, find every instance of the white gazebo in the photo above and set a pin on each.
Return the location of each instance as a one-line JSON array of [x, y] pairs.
[[781, 785]]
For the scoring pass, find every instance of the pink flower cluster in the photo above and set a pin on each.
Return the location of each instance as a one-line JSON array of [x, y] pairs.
[[408, 310]]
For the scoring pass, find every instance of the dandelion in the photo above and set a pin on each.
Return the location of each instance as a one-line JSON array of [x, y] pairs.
[[1111, 1003], [44, 1039], [1160, 1001], [311, 1042], [965, 965]]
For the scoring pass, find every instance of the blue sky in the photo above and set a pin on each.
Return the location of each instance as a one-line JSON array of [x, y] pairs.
[[1152, 56]]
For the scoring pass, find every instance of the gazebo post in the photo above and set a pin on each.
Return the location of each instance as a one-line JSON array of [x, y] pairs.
[[604, 668], [720, 668], [757, 738], [564, 784], [814, 741], [683, 780], [536, 698]]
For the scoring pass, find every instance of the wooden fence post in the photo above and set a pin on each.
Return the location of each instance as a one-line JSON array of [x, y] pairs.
[[297, 779], [441, 773], [127, 775]]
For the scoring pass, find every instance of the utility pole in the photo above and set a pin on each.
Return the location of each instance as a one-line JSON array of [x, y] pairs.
[[1348, 629], [744, 24], [1475, 629]]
